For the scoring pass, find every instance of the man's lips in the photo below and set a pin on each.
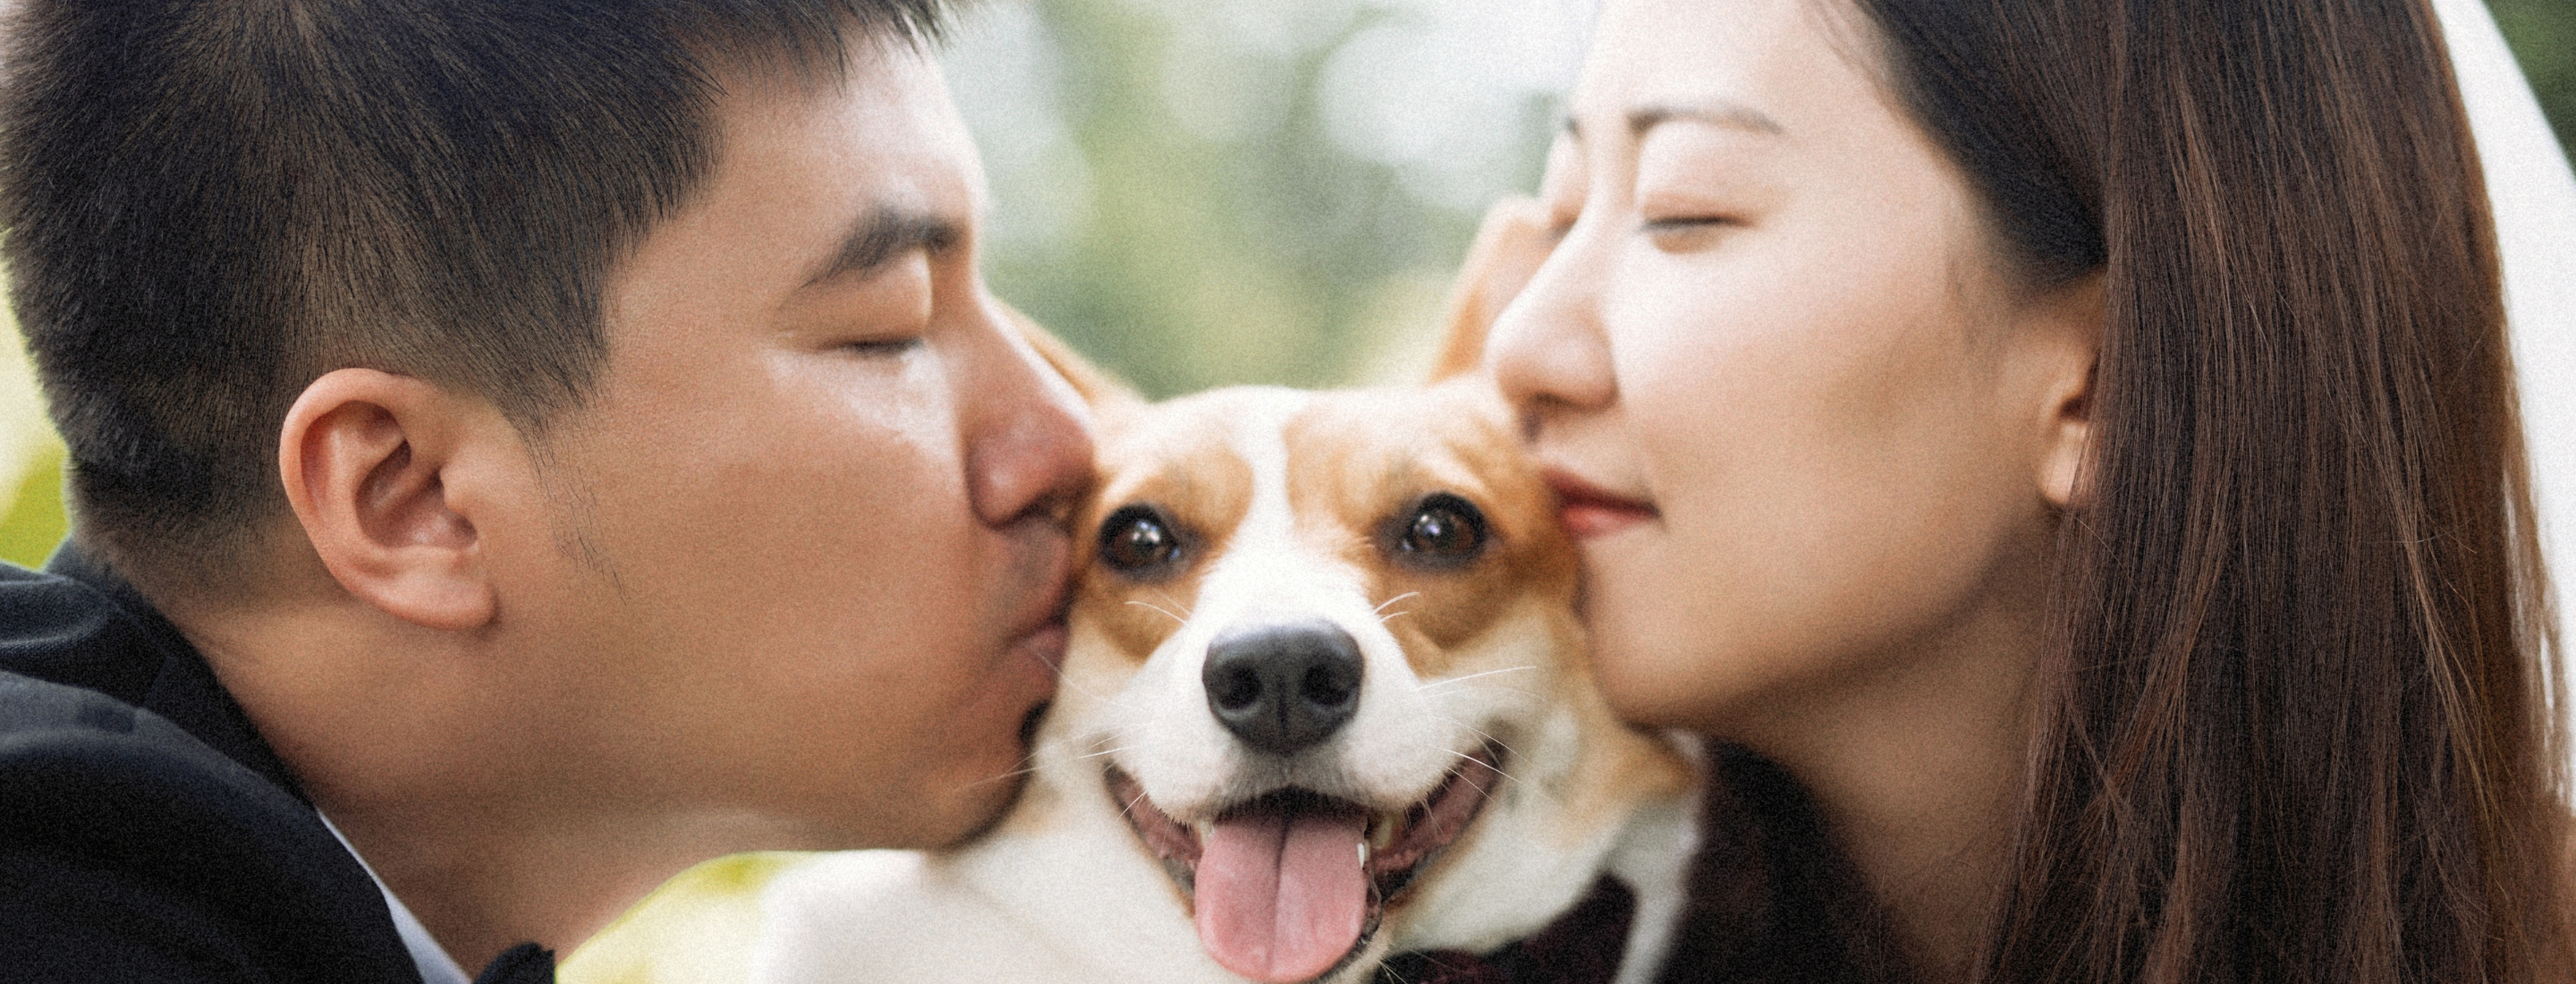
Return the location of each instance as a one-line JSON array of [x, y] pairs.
[[1045, 644], [1047, 564], [1041, 632], [1032, 664], [1587, 510]]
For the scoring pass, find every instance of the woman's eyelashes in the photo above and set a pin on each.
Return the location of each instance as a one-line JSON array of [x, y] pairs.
[[1687, 231], [1670, 223], [1687, 195]]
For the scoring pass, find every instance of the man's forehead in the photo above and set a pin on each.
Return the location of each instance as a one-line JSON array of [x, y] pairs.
[[759, 92], [877, 146], [811, 178], [884, 119]]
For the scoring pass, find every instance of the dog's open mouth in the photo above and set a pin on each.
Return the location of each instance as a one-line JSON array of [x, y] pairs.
[[1290, 885]]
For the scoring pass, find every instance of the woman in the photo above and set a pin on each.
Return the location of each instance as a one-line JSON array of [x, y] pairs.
[[2076, 441]]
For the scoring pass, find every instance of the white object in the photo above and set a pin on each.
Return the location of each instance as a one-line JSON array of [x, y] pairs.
[[2533, 194]]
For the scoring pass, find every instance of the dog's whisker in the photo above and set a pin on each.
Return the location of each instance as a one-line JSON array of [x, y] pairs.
[[1534, 789], [1062, 680], [1507, 777], [1176, 603], [1381, 606], [1111, 699], [1470, 780], [1508, 751], [1532, 695], [1028, 766], [1478, 786], [1452, 681], [1166, 612], [1382, 619], [1481, 733]]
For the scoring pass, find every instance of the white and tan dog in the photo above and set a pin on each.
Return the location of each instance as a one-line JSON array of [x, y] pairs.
[[1326, 699]]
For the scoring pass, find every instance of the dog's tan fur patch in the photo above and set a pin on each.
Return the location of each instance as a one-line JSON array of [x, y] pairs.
[[1358, 461], [1180, 463]]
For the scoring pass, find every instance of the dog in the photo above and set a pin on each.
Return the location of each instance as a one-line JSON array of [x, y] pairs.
[[1325, 700]]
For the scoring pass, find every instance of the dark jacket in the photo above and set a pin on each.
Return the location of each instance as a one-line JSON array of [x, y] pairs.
[[147, 833]]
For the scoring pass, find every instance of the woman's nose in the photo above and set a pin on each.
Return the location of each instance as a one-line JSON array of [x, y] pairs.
[[1548, 351]]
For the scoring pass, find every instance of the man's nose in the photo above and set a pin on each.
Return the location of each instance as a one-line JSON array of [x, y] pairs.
[[1029, 452]]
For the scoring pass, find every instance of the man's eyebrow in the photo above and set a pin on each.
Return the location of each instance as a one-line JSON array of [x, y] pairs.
[[883, 234], [1731, 115]]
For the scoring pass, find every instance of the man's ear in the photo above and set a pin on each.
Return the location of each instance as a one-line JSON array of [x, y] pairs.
[[2073, 313], [365, 456], [1509, 248], [1095, 385]]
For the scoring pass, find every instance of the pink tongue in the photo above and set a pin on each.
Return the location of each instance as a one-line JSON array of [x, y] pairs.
[[1281, 899]]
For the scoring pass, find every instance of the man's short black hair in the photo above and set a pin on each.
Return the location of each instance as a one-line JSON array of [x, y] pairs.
[[209, 203]]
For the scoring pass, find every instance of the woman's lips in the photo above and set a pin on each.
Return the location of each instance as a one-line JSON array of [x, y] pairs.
[[1587, 510]]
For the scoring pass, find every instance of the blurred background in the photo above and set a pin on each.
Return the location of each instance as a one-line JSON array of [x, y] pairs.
[[1204, 192]]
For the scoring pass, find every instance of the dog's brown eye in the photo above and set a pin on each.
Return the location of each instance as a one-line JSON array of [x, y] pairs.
[[1137, 540], [1445, 531]]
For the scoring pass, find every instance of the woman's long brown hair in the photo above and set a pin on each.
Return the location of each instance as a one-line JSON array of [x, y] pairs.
[[2301, 721]]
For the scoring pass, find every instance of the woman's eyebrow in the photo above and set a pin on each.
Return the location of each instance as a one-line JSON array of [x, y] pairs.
[[1723, 113]]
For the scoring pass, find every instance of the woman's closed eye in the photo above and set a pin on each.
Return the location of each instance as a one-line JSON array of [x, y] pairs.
[[1686, 231], [1666, 223]]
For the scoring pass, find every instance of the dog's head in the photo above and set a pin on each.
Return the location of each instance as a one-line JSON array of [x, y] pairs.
[[1323, 647]]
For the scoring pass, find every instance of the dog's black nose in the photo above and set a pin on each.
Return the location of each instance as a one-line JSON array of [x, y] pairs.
[[1283, 688]]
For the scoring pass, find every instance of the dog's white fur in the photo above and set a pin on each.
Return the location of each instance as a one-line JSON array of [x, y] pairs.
[[1063, 889]]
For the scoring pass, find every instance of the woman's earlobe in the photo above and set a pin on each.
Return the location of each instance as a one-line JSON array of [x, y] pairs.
[[364, 457], [2063, 466], [2078, 309]]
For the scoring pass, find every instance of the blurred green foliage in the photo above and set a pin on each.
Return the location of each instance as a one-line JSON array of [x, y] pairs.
[[35, 522], [1224, 230], [2542, 34]]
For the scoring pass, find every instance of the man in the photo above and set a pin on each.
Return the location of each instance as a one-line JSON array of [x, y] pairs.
[[552, 441]]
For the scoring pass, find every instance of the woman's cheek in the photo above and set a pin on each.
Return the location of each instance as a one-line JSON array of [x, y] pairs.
[[1758, 574], [1658, 595], [1655, 668]]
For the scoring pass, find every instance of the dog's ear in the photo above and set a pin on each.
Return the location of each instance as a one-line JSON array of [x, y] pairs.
[[1509, 247], [1096, 386]]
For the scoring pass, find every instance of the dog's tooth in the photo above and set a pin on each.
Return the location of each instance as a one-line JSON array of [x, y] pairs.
[[1364, 853], [1381, 831]]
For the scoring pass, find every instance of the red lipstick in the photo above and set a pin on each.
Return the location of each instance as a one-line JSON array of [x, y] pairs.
[[1587, 510]]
